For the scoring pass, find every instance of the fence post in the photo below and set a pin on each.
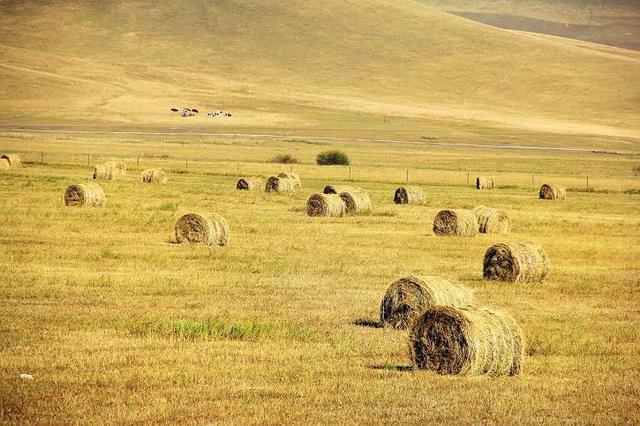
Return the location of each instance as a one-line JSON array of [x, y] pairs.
[[138, 163], [186, 164], [42, 157], [238, 169], [533, 180], [88, 155], [407, 175], [290, 167], [349, 172], [587, 181], [468, 177]]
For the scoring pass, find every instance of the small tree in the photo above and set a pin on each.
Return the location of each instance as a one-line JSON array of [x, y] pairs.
[[329, 158], [284, 159]]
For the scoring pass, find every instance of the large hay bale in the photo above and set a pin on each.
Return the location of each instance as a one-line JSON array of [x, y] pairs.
[[515, 262], [330, 205], [485, 182], [408, 195], [154, 176], [12, 159], [279, 184], [4, 164], [248, 184], [336, 189], [356, 200], [103, 172], [461, 223], [118, 168], [408, 297], [295, 178], [451, 340], [491, 221], [88, 194], [209, 229], [549, 191]]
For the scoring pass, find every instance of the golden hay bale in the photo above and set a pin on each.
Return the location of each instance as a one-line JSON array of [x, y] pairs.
[[326, 205], [461, 223], [491, 221], [154, 176], [356, 200], [408, 195], [248, 184], [331, 189], [516, 262], [279, 184], [293, 176], [12, 159], [118, 168], [451, 340], [4, 164], [102, 172], [485, 182], [549, 191], [89, 194], [408, 297], [202, 228]]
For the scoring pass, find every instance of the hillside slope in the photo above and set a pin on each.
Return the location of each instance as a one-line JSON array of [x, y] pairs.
[[299, 63]]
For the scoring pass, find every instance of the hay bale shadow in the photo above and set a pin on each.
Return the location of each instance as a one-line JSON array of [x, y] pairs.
[[392, 367], [365, 322]]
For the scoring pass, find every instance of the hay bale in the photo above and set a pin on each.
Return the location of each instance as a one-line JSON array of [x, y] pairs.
[[12, 159], [485, 182], [4, 164], [209, 229], [330, 205], [408, 297], [408, 195], [88, 194], [154, 176], [470, 341], [491, 221], [118, 168], [102, 172], [248, 184], [331, 189], [279, 184], [549, 191], [515, 262], [293, 176], [356, 200], [461, 223]]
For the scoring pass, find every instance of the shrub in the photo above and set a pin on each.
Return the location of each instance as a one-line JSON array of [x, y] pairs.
[[328, 158], [284, 159]]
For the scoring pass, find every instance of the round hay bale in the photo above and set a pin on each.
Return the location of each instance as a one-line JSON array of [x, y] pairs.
[[519, 262], [451, 340], [491, 221], [209, 229], [12, 159], [549, 191], [485, 182], [248, 184], [154, 176], [408, 297], [102, 172], [408, 195], [328, 205], [4, 164], [88, 194], [461, 223], [295, 178], [118, 168], [331, 189], [279, 184], [356, 200]]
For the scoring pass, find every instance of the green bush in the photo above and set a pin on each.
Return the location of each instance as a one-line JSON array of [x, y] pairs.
[[329, 158], [284, 159]]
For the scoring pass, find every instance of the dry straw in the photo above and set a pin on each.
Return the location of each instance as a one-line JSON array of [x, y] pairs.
[[485, 182], [461, 223], [279, 184], [408, 195], [119, 168], [88, 194], [549, 191], [209, 229], [515, 262], [331, 189], [491, 221], [326, 205], [469, 341], [12, 159], [154, 176], [408, 297], [356, 200], [295, 178], [102, 172], [4, 164], [248, 184]]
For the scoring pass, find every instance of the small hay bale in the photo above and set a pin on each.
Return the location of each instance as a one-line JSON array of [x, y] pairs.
[[279, 184], [408, 195], [295, 178], [356, 200], [491, 221], [12, 159], [461, 223], [4, 164], [154, 176], [118, 168], [408, 297], [520, 262], [331, 189], [88, 194], [549, 191], [209, 229], [102, 172], [485, 182], [328, 205], [248, 184], [470, 341]]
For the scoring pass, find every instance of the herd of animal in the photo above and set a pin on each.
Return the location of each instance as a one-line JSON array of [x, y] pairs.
[[192, 112]]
